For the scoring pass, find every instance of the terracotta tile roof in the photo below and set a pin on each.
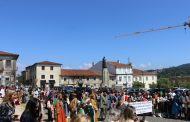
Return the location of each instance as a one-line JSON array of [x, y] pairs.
[[141, 72], [78, 72], [2, 53], [117, 64], [48, 63]]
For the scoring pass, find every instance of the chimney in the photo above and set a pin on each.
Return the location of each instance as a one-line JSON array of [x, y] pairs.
[[118, 61]]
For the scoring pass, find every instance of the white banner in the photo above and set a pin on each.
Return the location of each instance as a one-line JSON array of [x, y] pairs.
[[142, 107]]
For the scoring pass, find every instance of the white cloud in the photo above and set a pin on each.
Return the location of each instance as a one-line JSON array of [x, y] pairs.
[[86, 66], [147, 65]]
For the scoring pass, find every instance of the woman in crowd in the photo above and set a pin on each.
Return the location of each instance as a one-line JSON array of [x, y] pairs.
[[128, 115], [32, 111], [94, 105], [50, 110], [73, 105], [184, 105], [7, 107], [81, 118], [59, 109]]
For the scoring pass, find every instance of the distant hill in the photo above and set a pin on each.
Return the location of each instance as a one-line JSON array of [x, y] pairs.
[[182, 70]]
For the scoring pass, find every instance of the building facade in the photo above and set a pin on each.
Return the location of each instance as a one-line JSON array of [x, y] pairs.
[[8, 68], [43, 73], [144, 77], [73, 77], [120, 74]]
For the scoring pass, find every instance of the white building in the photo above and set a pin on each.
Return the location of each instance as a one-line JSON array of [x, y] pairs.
[[144, 77], [8, 68], [120, 74], [43, 73]]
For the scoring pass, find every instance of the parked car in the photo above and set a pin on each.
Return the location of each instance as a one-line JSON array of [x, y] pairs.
[[68, 89]]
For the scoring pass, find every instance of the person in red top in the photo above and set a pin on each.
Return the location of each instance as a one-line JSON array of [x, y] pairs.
[[126, 97], [60, 111]]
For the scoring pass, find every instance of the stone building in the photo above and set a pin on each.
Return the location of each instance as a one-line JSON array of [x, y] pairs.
[[88, 78], [8, 68], [42, 73]]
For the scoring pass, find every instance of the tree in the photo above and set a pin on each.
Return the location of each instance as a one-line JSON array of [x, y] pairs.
[[153, 85], [184, 84], [137, 84], [164, 83]]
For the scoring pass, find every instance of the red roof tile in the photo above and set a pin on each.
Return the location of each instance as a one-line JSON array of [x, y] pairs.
[[141, 72], [117, 64], [48, 63], [2, 53], [78, 72]]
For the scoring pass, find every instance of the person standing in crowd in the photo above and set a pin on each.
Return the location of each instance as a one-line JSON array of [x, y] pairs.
[[32, 111], [59, 109], [88, 109], [175, 106], [94, 105], [73, 105], [128, 115], [81, 118], [66, 104], [184, 105], [103, 105], [188, 105], [98, 99], [7, 107], [50, 109], [2, 92]]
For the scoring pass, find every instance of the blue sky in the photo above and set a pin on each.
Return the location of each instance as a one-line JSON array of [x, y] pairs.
[[78, 32]]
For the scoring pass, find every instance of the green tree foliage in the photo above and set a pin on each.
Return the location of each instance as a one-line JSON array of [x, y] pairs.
[[137, 84], [182, 70], [153, 85], [184, 84], [164, 83]]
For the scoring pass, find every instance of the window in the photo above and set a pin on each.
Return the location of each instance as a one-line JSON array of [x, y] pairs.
[[51, 76], [87, 78], [7, 79], [152, 77], [51, 67], [146, 77], [136, 79], [129, 78], [42, 76], [120, 78], [43, 67], [140, 78], [94, 78], [65, 79], [0, 79], [8, 63]]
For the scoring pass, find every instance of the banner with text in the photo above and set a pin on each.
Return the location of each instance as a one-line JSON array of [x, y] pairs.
[[142, 107]]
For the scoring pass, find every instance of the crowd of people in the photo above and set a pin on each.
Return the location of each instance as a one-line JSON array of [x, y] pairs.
[[90, 105]]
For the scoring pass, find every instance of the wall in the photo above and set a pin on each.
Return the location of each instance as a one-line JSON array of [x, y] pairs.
[[66, 80], [47, 72], [147, 79], [124, 76]]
